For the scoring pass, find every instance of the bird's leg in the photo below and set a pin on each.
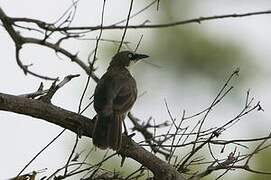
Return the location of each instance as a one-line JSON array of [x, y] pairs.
[[125, 129]]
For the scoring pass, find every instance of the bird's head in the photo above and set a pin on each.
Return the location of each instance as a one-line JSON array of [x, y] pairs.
[[126, 58]]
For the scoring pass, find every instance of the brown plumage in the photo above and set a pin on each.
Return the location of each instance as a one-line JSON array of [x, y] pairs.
[[114, 96]]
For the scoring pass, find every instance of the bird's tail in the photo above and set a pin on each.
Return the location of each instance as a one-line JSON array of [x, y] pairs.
[[107, 131]]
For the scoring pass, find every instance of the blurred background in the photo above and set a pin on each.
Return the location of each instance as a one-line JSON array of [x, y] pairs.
[[191, 63]]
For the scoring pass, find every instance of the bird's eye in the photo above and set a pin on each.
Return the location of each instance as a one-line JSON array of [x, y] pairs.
[[130, 55]]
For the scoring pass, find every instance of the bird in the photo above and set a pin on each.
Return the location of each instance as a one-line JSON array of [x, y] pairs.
[[114, 96]]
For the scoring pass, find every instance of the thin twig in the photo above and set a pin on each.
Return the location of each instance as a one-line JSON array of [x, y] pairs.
[[70, 157], [41, 152], [138, 43], [165, 25], [127, 22]]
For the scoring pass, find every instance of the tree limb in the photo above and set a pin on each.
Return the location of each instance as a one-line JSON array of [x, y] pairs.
[[78, 123]]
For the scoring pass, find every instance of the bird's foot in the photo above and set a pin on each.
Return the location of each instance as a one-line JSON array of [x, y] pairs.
[[131, 135]]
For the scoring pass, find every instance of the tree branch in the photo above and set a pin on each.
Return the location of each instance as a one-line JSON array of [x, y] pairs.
[[48, 27], [78, 123], [19, 40]]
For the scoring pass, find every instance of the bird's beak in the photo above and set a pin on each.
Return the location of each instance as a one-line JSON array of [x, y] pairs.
[[137, 57]]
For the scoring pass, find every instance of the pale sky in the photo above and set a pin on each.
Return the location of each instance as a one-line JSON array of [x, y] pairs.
[[21, 137]]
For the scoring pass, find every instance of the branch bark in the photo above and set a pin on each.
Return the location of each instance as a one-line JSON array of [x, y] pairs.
[[46, 26], [83, 125]]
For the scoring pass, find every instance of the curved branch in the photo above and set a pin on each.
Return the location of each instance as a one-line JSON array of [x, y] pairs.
[[19, 40], [50, 27], [78, 123], [25, 67], [65, 52], [162, 25]]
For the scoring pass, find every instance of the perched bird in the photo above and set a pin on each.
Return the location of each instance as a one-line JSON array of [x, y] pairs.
[[114, 96]]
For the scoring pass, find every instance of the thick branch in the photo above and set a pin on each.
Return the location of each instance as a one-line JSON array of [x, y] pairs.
[[83, 125], [46, 111]]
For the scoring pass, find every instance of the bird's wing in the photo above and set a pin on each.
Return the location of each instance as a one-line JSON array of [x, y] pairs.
[[116, 91], [106, 91], [126, 97]]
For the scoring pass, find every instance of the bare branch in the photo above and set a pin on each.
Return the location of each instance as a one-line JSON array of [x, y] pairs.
[[127, 23], [144, 26], [20, 40], [74, 122], [42, 150]]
